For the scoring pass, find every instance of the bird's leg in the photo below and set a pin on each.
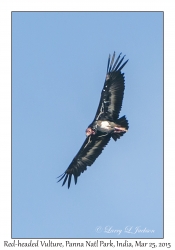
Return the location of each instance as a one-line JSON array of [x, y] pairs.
[[119, 129]]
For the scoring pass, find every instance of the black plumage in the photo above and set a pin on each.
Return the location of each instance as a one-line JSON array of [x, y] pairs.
[[112, 92], [108, 111], [90, 150]]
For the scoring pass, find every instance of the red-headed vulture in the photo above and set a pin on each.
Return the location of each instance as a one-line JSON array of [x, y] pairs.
[[106, 123]]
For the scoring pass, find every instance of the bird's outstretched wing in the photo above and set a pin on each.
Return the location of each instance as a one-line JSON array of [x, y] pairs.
[[88, 153], [112, 93]]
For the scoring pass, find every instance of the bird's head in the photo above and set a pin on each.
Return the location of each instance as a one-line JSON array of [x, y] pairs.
[[90, 131]]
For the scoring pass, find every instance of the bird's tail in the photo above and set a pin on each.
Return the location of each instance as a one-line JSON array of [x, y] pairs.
[[123, 125]]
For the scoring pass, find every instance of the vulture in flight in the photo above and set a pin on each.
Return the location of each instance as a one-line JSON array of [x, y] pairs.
[[106, 123]]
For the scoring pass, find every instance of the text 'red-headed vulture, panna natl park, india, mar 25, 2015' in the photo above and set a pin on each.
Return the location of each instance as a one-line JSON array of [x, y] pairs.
[[106, 123]]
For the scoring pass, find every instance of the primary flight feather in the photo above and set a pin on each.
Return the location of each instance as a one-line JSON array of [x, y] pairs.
[[106, 123]]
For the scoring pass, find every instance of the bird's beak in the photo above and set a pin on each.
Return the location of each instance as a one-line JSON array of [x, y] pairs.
[[87, 134]]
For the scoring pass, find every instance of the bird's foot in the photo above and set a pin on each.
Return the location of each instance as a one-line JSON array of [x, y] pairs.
[[119, 129]]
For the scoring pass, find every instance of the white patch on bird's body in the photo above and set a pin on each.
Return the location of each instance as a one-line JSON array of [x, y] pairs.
[[103, 126]]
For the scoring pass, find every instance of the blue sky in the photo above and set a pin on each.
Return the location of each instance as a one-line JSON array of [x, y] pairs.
[[59, 63]]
